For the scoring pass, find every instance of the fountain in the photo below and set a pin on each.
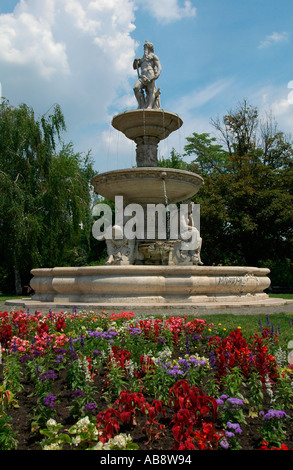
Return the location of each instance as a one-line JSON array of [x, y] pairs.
[[149, 271]]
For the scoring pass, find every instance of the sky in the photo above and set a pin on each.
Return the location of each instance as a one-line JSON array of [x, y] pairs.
[[79, 54]]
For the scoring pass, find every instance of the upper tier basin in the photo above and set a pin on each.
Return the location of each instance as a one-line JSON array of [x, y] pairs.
[[157, 123]]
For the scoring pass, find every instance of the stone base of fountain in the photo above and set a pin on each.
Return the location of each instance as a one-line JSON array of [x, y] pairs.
[[149, 286]]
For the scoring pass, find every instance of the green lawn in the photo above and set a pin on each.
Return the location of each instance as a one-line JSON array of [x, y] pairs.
[[4, 297], [282, 323], [282, 296]]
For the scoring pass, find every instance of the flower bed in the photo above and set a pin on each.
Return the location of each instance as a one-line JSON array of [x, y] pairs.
[[82, 380]]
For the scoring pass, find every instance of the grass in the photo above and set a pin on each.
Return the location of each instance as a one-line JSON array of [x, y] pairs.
[[4, 297], [250, 324], [282, 296]]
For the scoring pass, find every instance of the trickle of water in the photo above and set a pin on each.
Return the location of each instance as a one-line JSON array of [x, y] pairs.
[[143, 120], [167, 211], [165, 191]]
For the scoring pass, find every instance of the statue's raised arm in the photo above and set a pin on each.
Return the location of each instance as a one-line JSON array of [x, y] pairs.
[[145, 90]]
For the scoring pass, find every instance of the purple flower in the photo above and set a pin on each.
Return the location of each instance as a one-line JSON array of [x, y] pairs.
[[59, 358], [70, 342], [36, 353], [219, 401], [235, 401], [90, 407], [103, 334], [49, 400], [196, 336], [274, 414], [224, 443], [78, 393], [212, 359], [235, 426], [134, 331], [49, 375], [25, 358], [223, 397], [184, 363]]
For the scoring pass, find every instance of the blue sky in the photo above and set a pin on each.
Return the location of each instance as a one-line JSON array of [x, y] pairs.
[[79, 53]]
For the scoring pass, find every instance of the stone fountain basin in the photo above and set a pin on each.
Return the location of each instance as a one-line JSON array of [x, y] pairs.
[[144, 185], [147, 122], [135, 285]]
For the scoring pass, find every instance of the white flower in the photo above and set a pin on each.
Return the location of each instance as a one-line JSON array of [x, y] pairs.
[[54, 446], [76, 440], [98, 446], [51, 422]]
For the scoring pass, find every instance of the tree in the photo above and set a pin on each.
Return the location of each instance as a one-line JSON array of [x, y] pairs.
[[44, 194], [210, 156], [238, 131], [247, 198], [174, 161]]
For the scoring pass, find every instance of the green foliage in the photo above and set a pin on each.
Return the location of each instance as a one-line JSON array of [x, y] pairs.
[[247, 197], [8, 438], [174, 161], [44, 196], [255, 393], [209, 156]]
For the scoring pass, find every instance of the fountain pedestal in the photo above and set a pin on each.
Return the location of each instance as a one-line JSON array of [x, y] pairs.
[[147, 127]]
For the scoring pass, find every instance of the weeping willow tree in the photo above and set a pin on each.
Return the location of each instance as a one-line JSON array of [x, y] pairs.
[[44, 195]]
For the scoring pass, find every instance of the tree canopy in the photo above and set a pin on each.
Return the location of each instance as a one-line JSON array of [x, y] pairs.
[[44, 195], [247, 198]]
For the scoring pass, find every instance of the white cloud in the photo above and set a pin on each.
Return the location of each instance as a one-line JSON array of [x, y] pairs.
[[200, 97], [275, 38], [26, 39], [75, 52], [277, 101], [78, 53], [167, 11]]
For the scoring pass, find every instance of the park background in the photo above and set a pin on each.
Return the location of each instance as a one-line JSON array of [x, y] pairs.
[[66, 70]]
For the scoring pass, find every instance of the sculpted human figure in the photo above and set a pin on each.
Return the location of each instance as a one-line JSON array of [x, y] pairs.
[[145, 90], [120, 251], [188, 248]]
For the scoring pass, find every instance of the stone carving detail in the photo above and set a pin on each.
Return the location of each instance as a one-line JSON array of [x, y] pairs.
[[157, 252], [168, 252], [188, 248], [237, 280], [186, 257], [147, 151], [120, 251], [145, 90]]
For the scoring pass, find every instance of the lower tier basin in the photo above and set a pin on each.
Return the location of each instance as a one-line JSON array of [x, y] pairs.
[[135, 285]]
